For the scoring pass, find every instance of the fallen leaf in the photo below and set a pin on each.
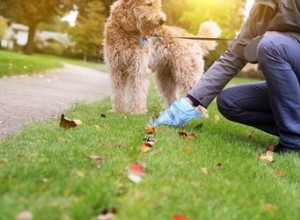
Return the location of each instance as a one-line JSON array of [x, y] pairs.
[[190, 136], [218, 166], [102, 115], [67, 123], [149, 129], [199, 126], [149, 138], [188, 150], [251, 135], [97, 159], [279, 173], [25, 215], [216, 119], [268, 156], [271, 148], [182, 134], [107, 215], [204, 170], [270, 208], [145, 148], [96, 126], [136, 172], [179, 217]]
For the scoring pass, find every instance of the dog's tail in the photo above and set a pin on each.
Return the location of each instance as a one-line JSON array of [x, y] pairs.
[[209, 29]]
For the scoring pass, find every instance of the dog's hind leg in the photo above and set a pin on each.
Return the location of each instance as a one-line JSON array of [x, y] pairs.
[[166, 83]]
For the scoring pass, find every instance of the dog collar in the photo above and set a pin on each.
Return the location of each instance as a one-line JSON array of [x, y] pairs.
[[144, 41]]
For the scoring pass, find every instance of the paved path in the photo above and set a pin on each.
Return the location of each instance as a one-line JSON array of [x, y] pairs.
[[24, 100]]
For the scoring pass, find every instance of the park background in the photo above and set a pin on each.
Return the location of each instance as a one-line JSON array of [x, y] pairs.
[[208, 169], [74, 28]]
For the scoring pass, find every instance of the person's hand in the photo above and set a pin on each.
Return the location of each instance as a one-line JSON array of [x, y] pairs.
[[179, 113]]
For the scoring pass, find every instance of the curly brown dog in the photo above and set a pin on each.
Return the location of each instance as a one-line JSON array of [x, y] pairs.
[[177, 63]]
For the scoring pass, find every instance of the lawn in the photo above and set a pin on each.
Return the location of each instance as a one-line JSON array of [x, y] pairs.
[[47, 171], [12, 63]]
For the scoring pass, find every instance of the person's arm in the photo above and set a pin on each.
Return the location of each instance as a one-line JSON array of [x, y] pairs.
[[229, 63]]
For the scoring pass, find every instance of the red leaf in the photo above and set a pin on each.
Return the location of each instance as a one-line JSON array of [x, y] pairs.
[[190, 136], [137, 168], [179, 217], [182, 134], [271, 148]]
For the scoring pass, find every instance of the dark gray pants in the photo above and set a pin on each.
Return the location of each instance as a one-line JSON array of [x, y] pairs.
[[273, 105]]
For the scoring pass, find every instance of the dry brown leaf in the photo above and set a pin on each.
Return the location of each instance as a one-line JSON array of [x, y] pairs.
[[251, 135], [218, 166], [107, 215], [270, 208], [268, 156], [145, 148], [97, 159], [279, 173], [149, 129], [185, 135], [67, 123], [188, 150]]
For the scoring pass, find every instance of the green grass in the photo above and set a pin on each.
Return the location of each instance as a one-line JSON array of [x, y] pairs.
[[46, 170], [12, 63]]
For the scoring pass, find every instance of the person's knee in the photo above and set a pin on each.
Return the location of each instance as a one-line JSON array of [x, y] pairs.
[[264, 48], [268, 47]]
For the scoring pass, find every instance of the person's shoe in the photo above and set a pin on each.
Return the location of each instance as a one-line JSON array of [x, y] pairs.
[[179, 113], [283, 149]]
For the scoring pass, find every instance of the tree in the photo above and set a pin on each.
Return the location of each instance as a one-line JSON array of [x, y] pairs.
[[88, 31], [190, 13], [31, 13], [55, 24], [3, 27]]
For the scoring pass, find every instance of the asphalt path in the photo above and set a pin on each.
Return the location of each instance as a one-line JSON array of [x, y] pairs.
[[29, 99]]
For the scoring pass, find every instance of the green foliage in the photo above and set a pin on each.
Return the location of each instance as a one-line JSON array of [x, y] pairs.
[[47, 170], [3, 27], [190, 14], [31, 13], [55, 24], [88, 32]]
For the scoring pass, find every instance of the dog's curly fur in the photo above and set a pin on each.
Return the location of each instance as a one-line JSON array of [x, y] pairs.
[[178, 63]]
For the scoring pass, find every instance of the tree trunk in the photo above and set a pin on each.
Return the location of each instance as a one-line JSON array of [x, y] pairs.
[[30, 41]]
